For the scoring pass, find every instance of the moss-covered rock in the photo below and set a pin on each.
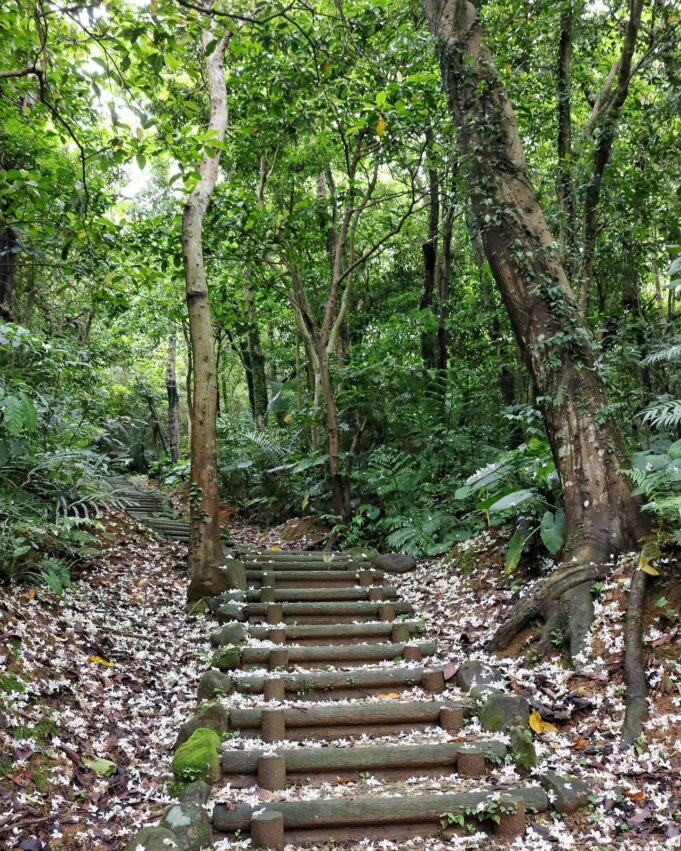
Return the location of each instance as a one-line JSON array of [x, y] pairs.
[[213, 717], [230, 633], [214, 684], [236, 574], [154, 839], [522, 748], [198, 757], [476, 673], [503, 711], [190, 824], [227, 658], [566, 793], [231, 612]]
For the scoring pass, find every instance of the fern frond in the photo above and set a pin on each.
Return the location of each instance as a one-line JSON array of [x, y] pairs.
[[664, 414], [668, 352]]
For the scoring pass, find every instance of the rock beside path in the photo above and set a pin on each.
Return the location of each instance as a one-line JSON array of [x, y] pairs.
[[395, 563]]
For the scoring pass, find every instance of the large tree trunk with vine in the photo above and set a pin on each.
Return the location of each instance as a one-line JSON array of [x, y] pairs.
[[205, 547], [602, 518]]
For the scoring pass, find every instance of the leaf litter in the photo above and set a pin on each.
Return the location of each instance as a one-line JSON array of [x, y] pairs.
[[128, 611]]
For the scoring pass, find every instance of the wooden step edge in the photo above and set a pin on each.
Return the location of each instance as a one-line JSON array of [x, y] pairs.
[[343, 594], [295, 654], [428, 712], [447, 756], [334, 815], [325, 632], [361, 680]]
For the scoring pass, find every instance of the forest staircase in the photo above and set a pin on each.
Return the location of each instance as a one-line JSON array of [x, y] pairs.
[[329, 621], [152, 510]]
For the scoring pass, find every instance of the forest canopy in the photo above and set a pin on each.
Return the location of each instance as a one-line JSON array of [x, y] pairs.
[[366, 368]]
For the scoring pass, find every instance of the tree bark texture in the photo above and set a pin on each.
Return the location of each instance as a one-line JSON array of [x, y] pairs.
[[602, 518], [205, 548]]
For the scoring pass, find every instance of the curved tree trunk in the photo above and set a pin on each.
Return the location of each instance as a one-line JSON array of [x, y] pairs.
[[205, 547], [602, 517]]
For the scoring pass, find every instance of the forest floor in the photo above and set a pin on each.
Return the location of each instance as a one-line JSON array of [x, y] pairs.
[[108, 671]]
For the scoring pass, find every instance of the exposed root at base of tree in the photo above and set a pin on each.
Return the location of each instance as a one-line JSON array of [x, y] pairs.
[[563, 599], [565, 603], [634, 669]]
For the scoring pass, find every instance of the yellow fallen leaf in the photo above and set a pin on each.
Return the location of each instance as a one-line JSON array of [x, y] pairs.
[[391, 695], [275, 547], [646, 566], [99, 661], [540, 726]]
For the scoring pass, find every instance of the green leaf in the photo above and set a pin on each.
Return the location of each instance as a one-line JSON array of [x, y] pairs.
[[674, 450], [552, 531], [514, 551], [104, 767], [512, 500]]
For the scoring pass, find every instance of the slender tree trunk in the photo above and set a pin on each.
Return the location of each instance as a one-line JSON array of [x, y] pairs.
[[431, 284], [602, 517], [603, 149], [9, 251], [565, 190], [257, 360], [340, 485], [173, 400], [205, 547]]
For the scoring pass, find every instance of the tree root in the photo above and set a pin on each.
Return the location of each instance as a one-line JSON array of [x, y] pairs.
[[566, 590], [636, 709]]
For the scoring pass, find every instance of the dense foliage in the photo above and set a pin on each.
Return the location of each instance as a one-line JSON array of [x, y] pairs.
[[338, 136]]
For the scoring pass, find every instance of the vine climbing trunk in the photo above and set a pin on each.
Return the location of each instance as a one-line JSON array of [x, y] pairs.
[[205, 548], [602, 518]]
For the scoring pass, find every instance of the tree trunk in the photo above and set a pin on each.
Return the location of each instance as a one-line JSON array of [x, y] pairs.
[[340, 484], [431, 284], [173, 401], [256, 360], [205, 547], [9, 251], [602, 518], [565, 190]]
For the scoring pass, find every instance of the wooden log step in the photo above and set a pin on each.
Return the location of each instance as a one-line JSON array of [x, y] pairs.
[[335, 814], [284, 578], [290, 564], [334, 653], [344, 593], [301, 555], [412, 759], [343, 633], [331, 721], [343, 683], [336, 612]]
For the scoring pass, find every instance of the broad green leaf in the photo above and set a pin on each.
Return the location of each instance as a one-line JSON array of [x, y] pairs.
[[552, 530], [514, 551], [512, 500]]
